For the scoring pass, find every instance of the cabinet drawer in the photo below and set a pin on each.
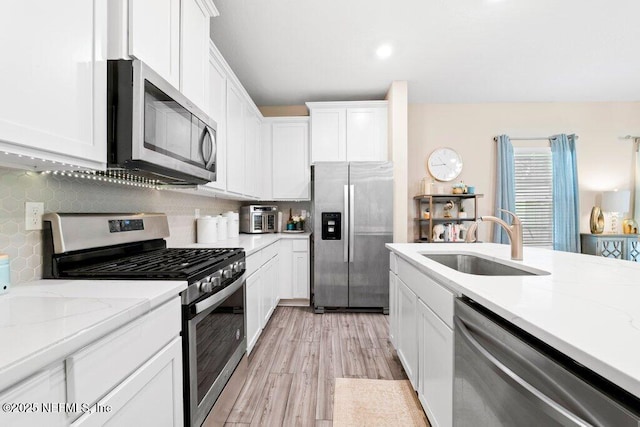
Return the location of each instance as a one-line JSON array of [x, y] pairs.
[[434, 295], [269, 252], [95, 370], [254, 261], [300, 245]]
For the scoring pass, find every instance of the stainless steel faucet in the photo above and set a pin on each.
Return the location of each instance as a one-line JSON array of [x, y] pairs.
[[514, 231]]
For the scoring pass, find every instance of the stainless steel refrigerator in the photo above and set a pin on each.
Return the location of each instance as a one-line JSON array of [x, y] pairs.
[[352, 210]]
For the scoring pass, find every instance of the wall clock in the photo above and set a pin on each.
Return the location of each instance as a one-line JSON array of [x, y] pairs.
[[444, 164]]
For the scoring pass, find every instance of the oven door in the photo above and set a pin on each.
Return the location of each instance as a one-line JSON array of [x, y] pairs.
[[214, 343]]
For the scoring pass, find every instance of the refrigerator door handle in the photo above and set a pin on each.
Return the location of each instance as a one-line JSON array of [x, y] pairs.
[[352, 227], [345, 224]]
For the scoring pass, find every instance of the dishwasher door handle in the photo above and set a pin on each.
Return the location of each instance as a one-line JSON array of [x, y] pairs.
[[542, 401]]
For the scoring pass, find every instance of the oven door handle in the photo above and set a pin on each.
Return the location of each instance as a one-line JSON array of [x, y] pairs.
[[217, 298]]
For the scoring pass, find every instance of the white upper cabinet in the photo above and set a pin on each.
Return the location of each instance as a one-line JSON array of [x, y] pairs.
[[367, 134], [290, 162], [194, 50], [235, 140], [170, 36], [218, 112], [265, 187], [348, 131], [53, 84], [328, 134], [154, 36], [252, 155]]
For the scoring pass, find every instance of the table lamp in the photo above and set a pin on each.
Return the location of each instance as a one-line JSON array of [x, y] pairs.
[[615, 202]]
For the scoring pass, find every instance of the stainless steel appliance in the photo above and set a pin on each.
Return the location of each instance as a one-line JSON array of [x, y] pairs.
[[132, 246], [154, 131], [352, 212], [258, 219], [506, 377]]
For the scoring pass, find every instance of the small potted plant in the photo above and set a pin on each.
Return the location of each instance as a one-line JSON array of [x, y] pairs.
[[461, 211]]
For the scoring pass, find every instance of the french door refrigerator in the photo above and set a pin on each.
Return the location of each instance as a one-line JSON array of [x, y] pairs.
[[352, 210]]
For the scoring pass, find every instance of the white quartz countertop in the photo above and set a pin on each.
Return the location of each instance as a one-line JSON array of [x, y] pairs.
[[250, 242], [42, 322], [588, 307]]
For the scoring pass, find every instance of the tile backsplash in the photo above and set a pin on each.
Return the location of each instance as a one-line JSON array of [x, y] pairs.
[[64, 194]]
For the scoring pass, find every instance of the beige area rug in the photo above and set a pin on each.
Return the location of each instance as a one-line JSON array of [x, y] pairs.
[[364, 402]]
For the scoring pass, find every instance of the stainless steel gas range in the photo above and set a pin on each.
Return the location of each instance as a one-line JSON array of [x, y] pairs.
[[132, 246]]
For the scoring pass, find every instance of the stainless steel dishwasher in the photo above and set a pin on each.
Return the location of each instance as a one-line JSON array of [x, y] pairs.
[[506, 377]]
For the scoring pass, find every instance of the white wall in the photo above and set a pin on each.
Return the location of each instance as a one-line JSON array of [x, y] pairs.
[[605, 161]]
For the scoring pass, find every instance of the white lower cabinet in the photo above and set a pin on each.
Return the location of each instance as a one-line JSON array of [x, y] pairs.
[[253, 310], [294, 281], [407, 345], [421, 330], [130, 377], [435, 367], [152, 395], [39, 393], [261, 296]]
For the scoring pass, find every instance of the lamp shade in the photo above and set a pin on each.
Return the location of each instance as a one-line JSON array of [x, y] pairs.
[[616, 201]]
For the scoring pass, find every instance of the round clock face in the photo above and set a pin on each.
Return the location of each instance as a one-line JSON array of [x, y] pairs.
[[444, 164]]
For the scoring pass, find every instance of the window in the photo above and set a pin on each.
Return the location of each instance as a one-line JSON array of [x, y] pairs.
[[534, 196]]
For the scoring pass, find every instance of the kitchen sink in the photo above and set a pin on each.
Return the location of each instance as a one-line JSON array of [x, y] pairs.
[[474, 264]]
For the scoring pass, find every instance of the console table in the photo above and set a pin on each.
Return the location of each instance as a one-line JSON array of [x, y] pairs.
[[619, 246]]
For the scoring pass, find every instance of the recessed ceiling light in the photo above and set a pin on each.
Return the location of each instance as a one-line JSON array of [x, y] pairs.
[[384, 51]]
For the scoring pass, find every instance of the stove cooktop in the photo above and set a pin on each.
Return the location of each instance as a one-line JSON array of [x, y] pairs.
[[172, 263]]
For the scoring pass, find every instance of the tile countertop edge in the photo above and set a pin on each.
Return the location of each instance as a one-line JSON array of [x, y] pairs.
[[251, 243], [611, 367], [57, 351]]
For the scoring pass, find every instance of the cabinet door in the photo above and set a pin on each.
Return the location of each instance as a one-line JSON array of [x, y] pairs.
[[254, 315], [291, 172], [218, 112], [367, 134], [301, 274], [328, 135], [252, 153], [44, 390], [53, 82], [633, 250], [266, 166], [154, 36], [235, 140], [151, 396], [407, 332], [285, 282], [435, 366], [610, 247], [266, 293], [275, 279], [194, 52], [393, 310]]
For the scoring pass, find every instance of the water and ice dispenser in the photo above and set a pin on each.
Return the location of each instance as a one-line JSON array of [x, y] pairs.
[[331, 226]]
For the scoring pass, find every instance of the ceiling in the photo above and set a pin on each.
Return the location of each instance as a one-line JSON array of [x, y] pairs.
[[286, 52]]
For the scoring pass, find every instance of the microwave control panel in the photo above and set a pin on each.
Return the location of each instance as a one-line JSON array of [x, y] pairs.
[[331, 225]]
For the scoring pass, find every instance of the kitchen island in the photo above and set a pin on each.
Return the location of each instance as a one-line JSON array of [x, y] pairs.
[[587, 307]]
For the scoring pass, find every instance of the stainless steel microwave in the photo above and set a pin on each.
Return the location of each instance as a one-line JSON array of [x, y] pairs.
[[154, 131], [258, 219]]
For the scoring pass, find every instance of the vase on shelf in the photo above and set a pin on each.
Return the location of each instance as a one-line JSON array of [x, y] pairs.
[[596, 221]]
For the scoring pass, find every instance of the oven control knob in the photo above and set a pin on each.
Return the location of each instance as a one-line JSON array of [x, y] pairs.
[[206, 286], [236, 267], [215, 282], [227, 273], [242, 265]]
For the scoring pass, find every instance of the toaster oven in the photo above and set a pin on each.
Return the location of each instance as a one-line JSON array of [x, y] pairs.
[[258, 219]]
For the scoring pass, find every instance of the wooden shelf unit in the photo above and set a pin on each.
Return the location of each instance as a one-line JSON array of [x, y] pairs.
[[434, 205]]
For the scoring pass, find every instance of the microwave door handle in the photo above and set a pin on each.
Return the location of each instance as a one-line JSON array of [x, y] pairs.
[[536, 397], [210, 157]]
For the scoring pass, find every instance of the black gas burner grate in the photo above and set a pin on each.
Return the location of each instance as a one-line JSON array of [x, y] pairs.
[[163, 263]]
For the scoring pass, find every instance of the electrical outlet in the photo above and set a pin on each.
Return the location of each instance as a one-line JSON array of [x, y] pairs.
[[33, 215], [197, 213]]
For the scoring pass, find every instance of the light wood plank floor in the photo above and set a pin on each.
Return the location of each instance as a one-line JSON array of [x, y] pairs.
[[293, 367]]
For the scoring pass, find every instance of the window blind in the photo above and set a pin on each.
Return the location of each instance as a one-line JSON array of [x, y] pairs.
[[534, 197]]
